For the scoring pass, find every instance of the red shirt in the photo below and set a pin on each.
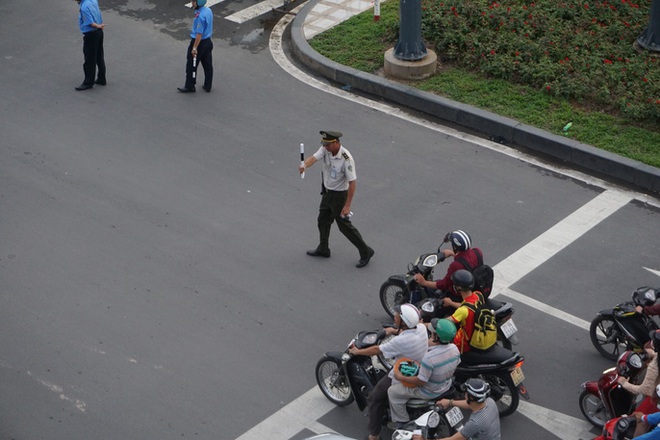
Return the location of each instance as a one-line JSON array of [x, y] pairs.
[[470, 256]]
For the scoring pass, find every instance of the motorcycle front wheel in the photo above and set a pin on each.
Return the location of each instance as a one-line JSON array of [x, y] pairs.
[[504, 392], [392, 294], [593, 409], [333, 382], [606, 337]]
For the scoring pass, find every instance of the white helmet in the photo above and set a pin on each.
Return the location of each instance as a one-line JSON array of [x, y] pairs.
[[409, 315]]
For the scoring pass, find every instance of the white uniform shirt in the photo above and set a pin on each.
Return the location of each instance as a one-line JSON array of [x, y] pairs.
[[338, 170]]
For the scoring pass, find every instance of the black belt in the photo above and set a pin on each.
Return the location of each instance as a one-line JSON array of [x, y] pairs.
[[337, 192]]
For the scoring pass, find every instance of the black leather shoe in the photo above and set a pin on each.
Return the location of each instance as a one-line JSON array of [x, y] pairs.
[[185, 90], [207, 89], [317, 253], [365, 260], [84, 86], [99, 82]]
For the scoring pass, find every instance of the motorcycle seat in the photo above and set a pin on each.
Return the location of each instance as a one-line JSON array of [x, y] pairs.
[[494, 355]]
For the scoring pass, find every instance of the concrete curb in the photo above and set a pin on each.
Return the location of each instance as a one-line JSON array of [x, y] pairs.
[[566, 150]]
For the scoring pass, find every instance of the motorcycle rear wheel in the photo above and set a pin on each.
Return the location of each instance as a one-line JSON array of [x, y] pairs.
[[593, 409], [605, 336], [503, 392], [333, 382], [392, 294]]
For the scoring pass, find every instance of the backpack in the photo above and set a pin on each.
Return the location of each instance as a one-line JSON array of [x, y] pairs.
[[484, 334], [483, 274]]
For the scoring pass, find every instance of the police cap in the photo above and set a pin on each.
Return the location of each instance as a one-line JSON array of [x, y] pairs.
[[330, 136]]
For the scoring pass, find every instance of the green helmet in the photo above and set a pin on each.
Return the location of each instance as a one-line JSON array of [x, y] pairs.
[[445, 329]]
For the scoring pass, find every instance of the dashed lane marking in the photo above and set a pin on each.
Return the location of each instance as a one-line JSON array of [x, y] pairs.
[[255, 11]]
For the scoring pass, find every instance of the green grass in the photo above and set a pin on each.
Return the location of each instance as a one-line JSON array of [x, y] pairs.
[[360, 43]]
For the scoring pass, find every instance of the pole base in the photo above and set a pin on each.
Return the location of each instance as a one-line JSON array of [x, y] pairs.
[[419, 69]]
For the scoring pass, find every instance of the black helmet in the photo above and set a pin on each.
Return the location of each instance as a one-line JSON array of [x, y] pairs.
[[462, 278], [460, 240], [477, 390], [654, 335]]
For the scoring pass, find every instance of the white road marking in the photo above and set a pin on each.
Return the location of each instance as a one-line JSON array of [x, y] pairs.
[[255, 11], [300, 414], [657, 272], [209, 3], [508, 271], [561, 425], [548, 244], [542, 307]]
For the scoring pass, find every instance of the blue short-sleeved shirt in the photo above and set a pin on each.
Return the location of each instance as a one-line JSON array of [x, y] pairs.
[[202, 23], [89, 13]]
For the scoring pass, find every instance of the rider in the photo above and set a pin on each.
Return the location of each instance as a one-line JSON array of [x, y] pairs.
[[435, 373], [651, 378], [411, 341], [484, 422], [461, 246], [463, 282]]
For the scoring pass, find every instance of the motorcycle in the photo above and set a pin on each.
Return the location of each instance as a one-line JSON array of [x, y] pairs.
[[622, 428], [400, 289], [621, 328], [502, 369], [434, 424], [344, 378], [604, 399]]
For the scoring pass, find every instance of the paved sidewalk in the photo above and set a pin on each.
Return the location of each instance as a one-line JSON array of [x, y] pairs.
[[329, 13]]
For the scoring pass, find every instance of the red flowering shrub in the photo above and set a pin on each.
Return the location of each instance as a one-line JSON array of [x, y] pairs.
[[580, 50]]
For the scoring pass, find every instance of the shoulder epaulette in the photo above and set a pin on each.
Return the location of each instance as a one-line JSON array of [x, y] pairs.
[[346, 156]]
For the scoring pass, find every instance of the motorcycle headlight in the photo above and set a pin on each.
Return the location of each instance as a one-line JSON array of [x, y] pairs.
[[428, 307], [400, 434], [431, 261], [635, 361], [434, 420]]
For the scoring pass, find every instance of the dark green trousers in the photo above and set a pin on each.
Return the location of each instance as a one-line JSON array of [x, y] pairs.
[[332, 202]]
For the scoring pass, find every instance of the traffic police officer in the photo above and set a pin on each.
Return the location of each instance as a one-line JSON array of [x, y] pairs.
[[338, 189], [200, 48]]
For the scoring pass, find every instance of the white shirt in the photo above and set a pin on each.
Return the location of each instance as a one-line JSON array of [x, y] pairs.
[[338, 170], [411, 343]]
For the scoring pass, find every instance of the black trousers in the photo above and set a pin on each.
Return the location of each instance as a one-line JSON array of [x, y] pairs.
[[332, 203], [377, 404], [205, 57], [93, 51]]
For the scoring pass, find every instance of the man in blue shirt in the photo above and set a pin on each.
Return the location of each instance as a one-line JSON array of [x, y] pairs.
[[200, 48], [91, 26]]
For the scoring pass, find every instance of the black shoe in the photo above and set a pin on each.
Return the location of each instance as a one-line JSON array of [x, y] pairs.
[[207, 89], [318, 253], [365, 260], [99, 82], [84, 86], [185, 90]]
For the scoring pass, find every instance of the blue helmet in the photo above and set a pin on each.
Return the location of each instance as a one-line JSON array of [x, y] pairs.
[[201, 3]]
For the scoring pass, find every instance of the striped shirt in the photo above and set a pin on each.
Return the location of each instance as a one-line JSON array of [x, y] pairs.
[[483, 424], [437, 369]]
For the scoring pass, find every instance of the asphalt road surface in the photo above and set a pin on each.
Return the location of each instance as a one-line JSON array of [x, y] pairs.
[[153, 276]]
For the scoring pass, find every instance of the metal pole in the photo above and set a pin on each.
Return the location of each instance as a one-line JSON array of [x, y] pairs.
[[410, 46], [650, 38]]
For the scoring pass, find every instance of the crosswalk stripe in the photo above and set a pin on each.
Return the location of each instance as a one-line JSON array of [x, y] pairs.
[[209, 3], [255, 11]]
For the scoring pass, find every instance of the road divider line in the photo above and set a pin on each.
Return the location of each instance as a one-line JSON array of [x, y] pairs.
[[555, 239], [542, 307]]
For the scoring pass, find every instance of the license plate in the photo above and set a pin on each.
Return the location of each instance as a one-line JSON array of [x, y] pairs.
[[509, 328], [454, 416], [517, 376]]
